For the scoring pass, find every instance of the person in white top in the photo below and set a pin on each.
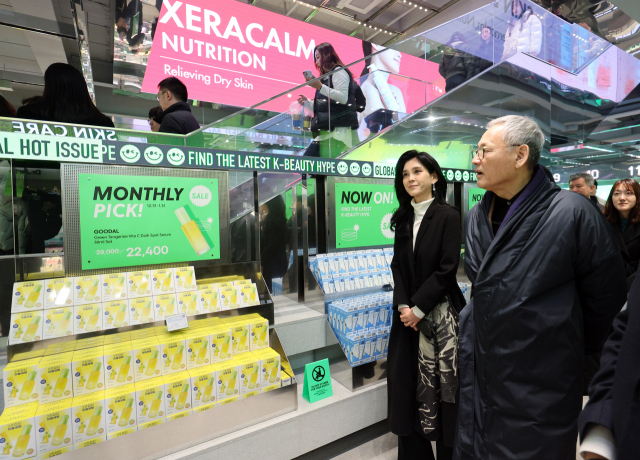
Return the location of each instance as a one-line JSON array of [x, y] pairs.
[[524, 35]]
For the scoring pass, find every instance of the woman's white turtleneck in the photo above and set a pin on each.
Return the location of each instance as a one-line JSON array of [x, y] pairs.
[[419, 210]]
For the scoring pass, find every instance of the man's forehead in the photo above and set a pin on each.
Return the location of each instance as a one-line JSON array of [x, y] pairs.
[[491, 136]]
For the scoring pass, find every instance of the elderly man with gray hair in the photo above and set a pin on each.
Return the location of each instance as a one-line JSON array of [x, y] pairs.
[[547, 283], [585, 184]]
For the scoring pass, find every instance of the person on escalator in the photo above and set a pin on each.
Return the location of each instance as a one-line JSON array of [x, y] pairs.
[[524, 34], [480, 56], [453, 65], [334, 105], [153, 113], [273, 240], [176, 116]]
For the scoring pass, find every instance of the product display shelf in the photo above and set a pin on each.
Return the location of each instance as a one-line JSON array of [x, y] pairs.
[[197, 428], [249, 270]]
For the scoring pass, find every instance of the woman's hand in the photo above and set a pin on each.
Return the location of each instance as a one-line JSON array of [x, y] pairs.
[[409, 318], [302, 99], [591, 455], [315, 84]]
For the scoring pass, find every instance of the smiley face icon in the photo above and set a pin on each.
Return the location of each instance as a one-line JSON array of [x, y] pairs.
[[153, 155], [130, 153], [343, 168], [175, 156], [354, 168]]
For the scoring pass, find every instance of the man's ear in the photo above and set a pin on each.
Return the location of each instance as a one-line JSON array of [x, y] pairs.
[[522, 156]]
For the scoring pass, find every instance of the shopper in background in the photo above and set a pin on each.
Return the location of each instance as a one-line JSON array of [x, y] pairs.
[[480, 56], [334, 105], [422, 377], [6, 108], [548, 280], [153, 113], [623, 213], [273, 240], [176, 116], [584, 184], [65, 99], [452, 67], [524, 34], [30, 100], [594, 197]]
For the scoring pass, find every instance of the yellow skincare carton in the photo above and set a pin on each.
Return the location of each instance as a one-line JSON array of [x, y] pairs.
[[124, 432], [162, 281], [270, 367], [22, 355], [198, 349], [114, 287], [287, 368], [58, 323], [228, 298], [241, 282], [58, 293], [203, 386], [27, 296], [58, 348], [165, 305], [185, 279], [148, 358], [248, 295], [178, 415], [54, 379], [89, 417], [188, 303], [118, 337], [203, 408], [208, 300], [270, 388], [55, 452], [227, 378], [19, 379], [221, 340], [141, 310], [18, 433], [91, 342], [116, 314], [249, 373], [54, 426], [248, 395], [226, 401], [174, 353], [120, 404], [88, 318], [139, 284], [178, 395], [119, 361], [150, 397], [87, 369], [87, 289], [26, 327], [240, 332], [145, 333], [259, 333], [156, 422], [287, 379], [89, 442]]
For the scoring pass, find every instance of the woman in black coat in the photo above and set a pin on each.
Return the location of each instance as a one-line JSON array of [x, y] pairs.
[[623, 213], [422, 361], [273, 240]]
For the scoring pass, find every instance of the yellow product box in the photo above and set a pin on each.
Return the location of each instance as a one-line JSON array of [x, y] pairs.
[[19, 379], [178, 415], [18, 433], [145, 333], [248, 395], [87, 289], [120, 433], [54, 380], [208, 300], [286, 378], [141, 310], [88, 318], [185, 279], [58, 323], [26, 327], [119, 360], [116, 314], [92, 342], [58, 293], [240, 332], [221, 343], [174, 353], [241, 282], [222, 284], [203, 408], [120, 404], [144, 426], [55, 452], [188, 303], [87, 369], [54, 426], [177, 388], [203, 386], [89, 417], [162, 281], [270, 367], [90, 442], [287, 368], [198, 349], [226, 374], [118, 337], [148, 358], [259, 333], [114, 287], [22, 355], [248, 295], [270, 388], [27, 296], [165, 305], [58, 348], [226, 401], [139, 284], [150, 397], [228, 298], [249, 371]]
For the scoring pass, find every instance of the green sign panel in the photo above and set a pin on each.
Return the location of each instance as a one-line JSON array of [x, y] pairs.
[[141, 220], [475, 195], [363, 214], [317, 381]]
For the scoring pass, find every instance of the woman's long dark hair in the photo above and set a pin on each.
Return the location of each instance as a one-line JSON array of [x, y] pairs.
[[329, 59], [612, 214], [367, 50], [402, 219], [66, 96]]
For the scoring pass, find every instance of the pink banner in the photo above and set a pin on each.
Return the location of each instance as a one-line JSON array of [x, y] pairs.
[[232, 53]]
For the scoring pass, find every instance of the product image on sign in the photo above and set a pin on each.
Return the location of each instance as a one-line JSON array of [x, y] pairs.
[[140, 220]]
